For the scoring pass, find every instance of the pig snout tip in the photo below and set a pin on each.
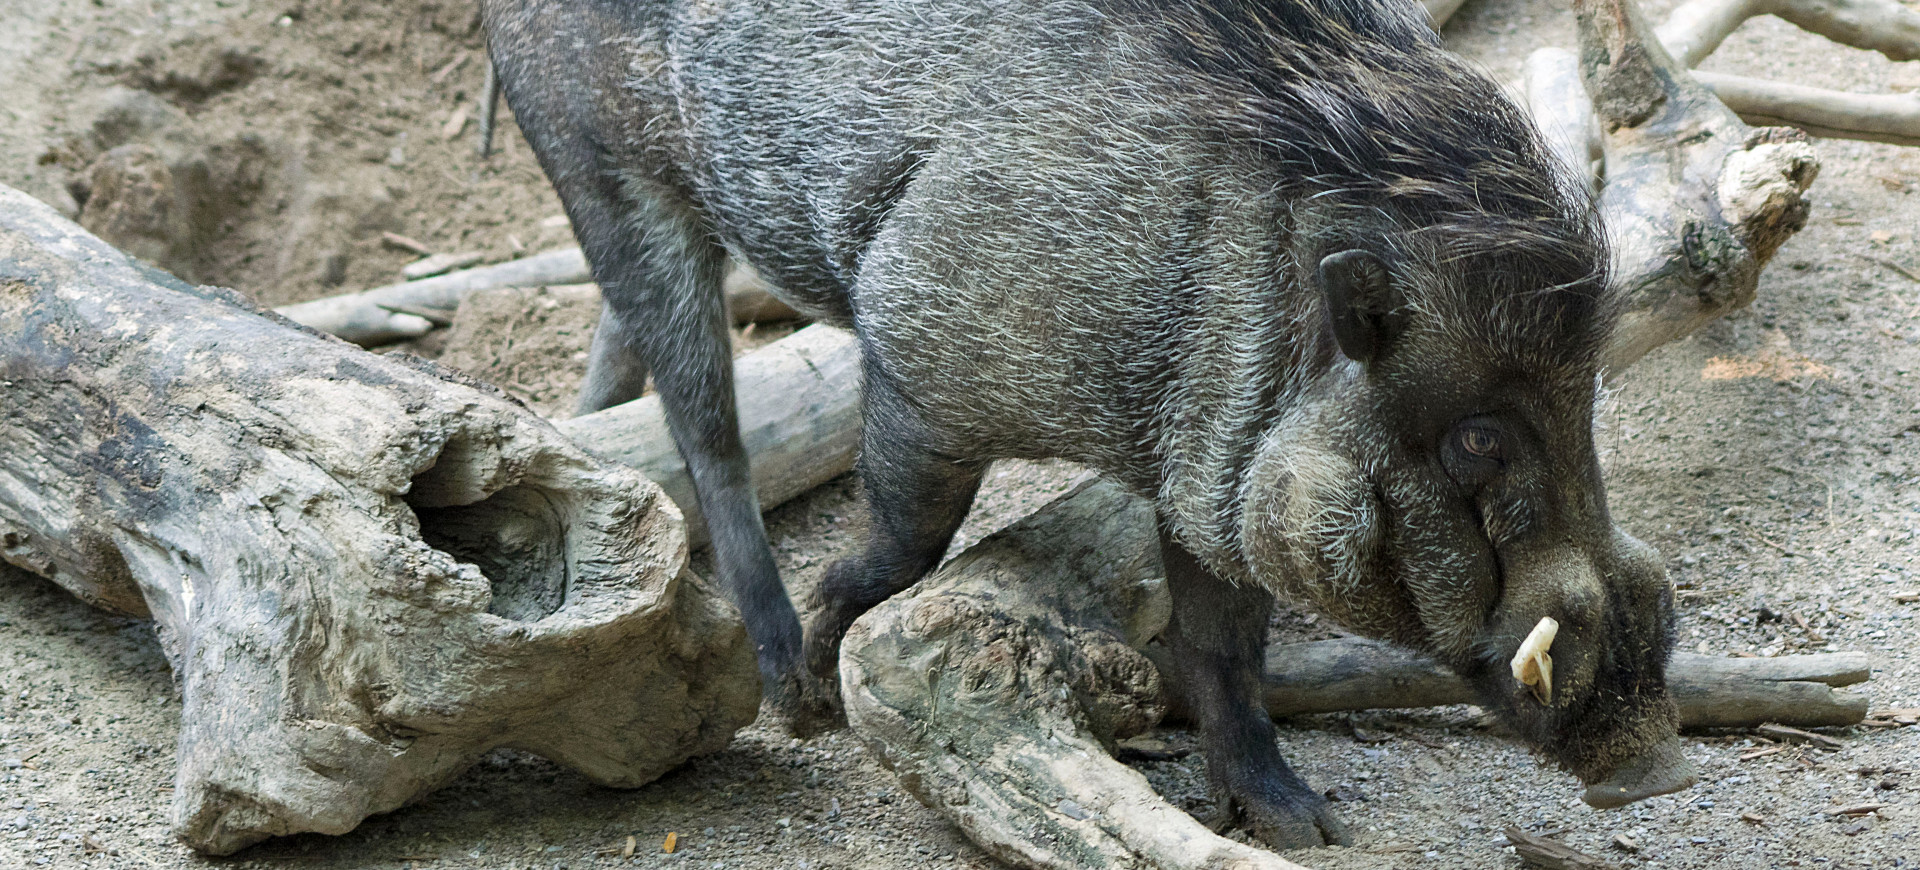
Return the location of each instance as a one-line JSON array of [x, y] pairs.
[[1659, 770]]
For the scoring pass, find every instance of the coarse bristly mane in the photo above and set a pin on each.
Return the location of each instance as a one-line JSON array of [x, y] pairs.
[[1379, 126]]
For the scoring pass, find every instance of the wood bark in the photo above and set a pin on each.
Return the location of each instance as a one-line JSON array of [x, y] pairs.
[[397, 312], [366, 572]]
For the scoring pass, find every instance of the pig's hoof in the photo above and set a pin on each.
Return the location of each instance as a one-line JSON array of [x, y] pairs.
[[804, 707], [1282, 818]]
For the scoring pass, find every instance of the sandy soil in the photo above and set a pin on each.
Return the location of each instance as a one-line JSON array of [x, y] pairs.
[[1774, 459]]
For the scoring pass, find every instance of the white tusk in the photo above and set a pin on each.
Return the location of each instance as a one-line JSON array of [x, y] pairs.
[[1532, 666]]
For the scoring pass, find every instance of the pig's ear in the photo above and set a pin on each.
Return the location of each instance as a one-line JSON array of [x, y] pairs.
[[1362, 303]]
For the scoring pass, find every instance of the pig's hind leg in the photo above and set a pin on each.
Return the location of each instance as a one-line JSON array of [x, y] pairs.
[[917, 497], [663, 312], [1217, 636]]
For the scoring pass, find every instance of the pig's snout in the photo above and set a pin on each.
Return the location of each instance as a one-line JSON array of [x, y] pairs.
[[1660, 769]]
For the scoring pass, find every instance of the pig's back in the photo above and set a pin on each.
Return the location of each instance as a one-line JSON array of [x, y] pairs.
[[807, 120]]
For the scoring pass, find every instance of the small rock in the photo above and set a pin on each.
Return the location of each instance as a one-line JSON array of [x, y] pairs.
[[1344, 793]]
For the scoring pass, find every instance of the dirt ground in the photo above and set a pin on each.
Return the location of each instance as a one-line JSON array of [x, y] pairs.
[[1774, 459]]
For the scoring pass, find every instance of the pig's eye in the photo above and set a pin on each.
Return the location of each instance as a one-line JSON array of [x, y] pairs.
[[1475, 452], [1480, 442]]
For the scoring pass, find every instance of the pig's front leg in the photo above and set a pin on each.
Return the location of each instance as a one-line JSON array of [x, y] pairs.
[[1217, 637], [917, 496]]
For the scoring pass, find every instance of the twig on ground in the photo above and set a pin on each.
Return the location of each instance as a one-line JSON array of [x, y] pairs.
[[1795, 735], [1541, 852]]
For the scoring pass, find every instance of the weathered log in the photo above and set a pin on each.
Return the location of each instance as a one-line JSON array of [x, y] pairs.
[[750, 298], [1695, 29], [1695, 201], [799, 401], [384, 315], [1712, 692], [366, 572], [996, 686]]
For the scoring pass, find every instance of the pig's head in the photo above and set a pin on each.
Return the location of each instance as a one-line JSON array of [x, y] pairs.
[[1440, 488]]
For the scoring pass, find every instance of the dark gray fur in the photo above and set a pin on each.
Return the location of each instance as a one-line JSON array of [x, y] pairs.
[[1266, 262]]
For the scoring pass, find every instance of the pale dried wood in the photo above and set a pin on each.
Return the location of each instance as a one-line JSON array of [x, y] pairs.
[[366, 571], [799, 403], [1439, 12], [1694, 29], [1558, 100], [367, 318], [1892, 118], [371, 318], [1795, 735]]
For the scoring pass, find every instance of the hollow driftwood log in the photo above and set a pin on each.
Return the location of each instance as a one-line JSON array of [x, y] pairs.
[[365, 572], [410, 309]]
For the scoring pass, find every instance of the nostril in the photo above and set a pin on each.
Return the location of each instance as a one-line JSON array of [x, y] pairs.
[[516, 535]]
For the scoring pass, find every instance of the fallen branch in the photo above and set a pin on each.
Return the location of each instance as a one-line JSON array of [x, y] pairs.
[[1439, 12], [1696, 28], [1795, 735], [1892, 118], [1712, 692], [799, 401], [366, 572], [379, 316], [368, 318], [1558, 100]]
